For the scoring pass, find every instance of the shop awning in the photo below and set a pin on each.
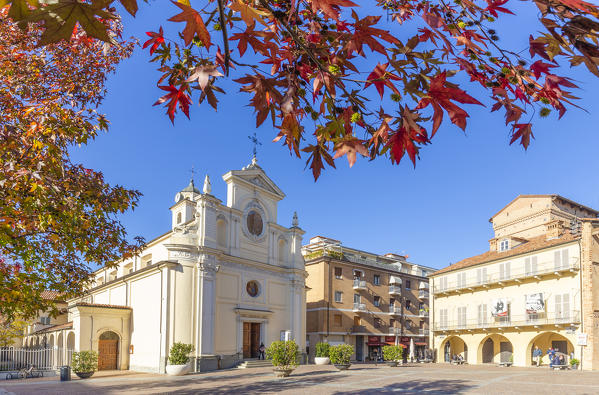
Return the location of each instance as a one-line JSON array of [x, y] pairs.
[[420, 344]]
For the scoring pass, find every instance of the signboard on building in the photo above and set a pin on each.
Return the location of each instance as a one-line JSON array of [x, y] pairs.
[[499, 307], [535, 303], [390, 339], [582, 339]]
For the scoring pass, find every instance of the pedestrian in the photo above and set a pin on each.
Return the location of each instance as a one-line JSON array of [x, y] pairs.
[[551, 354], [261, 351], [536, 356]]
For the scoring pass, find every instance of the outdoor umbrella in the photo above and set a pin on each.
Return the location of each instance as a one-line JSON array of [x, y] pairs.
[[411, 349]]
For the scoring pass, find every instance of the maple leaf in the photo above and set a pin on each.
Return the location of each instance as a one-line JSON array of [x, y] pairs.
[[249, 14], [130, 6], [317, 153], [406, 140], [495, 6], [266, 95], [331, 7], [523, 132], [292, 131], [381, 78], [364, 33], [156, 39], [439, 95], [203, 73], [195, 24], [175, 97], [350, 146], [539, 67], [61, 16]]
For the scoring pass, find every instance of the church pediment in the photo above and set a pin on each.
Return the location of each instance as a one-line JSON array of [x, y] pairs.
[[256, 177]]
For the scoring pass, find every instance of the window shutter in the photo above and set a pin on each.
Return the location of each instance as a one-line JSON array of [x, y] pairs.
[[565, 260], [565, 305], [558, 306], [502, 271], [556, 260], [534, 265], [527, 266], [507, 270]]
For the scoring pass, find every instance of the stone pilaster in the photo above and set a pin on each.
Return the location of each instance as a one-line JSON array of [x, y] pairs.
[[590, 282]]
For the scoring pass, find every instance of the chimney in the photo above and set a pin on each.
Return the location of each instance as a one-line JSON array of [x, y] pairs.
[[493, 245], [555, 229]]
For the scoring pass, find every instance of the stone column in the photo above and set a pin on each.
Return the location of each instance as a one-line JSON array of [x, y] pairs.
[[207, 265]]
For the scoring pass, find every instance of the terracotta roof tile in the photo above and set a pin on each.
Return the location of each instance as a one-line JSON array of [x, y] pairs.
[[110, 306], [67, 325], [50, 295], [533, 244]]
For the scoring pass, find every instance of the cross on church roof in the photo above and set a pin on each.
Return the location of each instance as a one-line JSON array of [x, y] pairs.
[[192, 172], [254, 139]]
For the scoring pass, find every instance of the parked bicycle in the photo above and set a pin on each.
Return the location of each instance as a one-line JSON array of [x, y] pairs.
[[25, 373]]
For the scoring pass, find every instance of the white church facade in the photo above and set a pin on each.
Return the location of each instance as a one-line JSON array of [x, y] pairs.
[[225, 278]]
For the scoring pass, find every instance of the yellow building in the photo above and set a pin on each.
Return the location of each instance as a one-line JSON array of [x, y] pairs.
[[364, 299], [536, 286]]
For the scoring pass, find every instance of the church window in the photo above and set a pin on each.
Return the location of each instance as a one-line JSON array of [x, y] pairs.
[[221, 233], [254, 223], [178, 218], [337, 320], [253, 288], [338, 295]]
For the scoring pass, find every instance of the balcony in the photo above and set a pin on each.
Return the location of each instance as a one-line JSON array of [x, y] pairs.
[[394, 310], [358, 329], [423, 313], [394, 290], [423, 294], [543, 270], [423, 332], [527, 320], [359, 307], [394, 331], [359, 284]]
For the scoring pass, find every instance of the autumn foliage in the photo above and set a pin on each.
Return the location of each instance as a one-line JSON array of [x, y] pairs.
[[58, 219], [342, 78]]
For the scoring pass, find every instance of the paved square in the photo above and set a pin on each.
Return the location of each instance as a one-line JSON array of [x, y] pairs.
[[360, 379]]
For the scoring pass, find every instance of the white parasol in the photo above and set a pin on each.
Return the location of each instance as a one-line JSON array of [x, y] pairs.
[[411, 349]]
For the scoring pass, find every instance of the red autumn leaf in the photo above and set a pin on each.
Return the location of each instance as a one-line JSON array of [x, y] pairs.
[[331, 7], [381, 78], [440, 95], [203, 73], [195, 24], [522, 132], [406, 140], [350, 146], [365, 34], [317, 153], [495, 6], [539, 67], [155, 40], [175, 97]]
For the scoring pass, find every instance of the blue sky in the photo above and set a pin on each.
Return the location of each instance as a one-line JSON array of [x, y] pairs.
[[436, 213]]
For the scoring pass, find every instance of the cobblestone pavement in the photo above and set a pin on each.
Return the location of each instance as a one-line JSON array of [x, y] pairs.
[[313, 380]]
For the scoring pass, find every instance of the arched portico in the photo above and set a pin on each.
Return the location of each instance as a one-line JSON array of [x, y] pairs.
[[495, 348], [546, 340], [453, 345], [71, 341]]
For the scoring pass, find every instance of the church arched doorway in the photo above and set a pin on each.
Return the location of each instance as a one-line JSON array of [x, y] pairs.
[[108, 351]]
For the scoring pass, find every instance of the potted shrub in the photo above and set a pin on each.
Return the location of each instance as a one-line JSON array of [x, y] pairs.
[[392, 354], [574, 363], [340, 355], [178, 359], [322, 354], [284, 356], [84, 363]]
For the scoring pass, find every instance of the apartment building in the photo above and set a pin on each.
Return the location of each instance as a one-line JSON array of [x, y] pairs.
[[536, 286], [364, 299]]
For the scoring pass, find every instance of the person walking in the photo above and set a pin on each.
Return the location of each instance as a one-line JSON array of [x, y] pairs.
[[551, 354], [261, 350], [536, 356]]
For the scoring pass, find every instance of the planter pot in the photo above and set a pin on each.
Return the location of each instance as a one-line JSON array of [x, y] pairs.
[[342, 366], [322, 360], [177, 370], [392, 363], [282, 372], [575, 366], [84, 375]]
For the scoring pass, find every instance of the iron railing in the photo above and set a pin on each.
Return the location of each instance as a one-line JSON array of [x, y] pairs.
[[359, 284], [12, 358], [553, 318]]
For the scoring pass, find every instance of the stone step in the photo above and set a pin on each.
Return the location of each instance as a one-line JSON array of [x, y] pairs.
[[254, 364]]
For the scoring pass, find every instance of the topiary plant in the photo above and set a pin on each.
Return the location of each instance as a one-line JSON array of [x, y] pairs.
[[84, 361], [392, 353], [322, 350], [341, 354], [179, 354], [284, 354]]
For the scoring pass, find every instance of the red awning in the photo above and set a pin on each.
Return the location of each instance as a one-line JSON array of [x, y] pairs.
[[420, 344], [403, 345]]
